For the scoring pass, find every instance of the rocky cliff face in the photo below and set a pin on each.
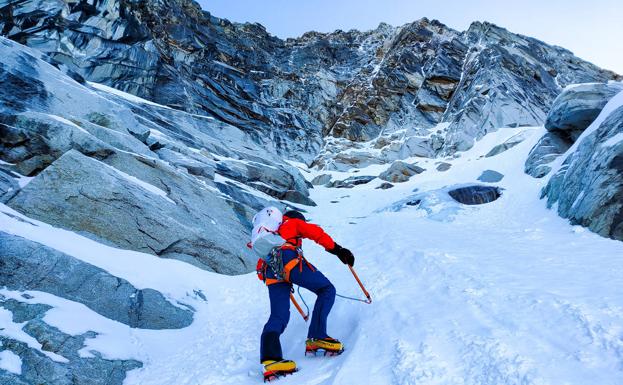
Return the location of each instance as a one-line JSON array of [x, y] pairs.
[[290, 94]]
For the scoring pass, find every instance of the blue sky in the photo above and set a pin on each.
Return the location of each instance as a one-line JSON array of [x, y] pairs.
[[593, 30]]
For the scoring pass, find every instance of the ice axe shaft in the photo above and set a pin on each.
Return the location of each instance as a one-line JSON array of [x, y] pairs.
[[369, 299], [296, 305]]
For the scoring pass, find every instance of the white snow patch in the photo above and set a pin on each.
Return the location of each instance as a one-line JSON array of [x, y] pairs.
[[146, 186], [10, 362], [14, 331], [125, 95], [24, 180], [616, 139], [68, 122]]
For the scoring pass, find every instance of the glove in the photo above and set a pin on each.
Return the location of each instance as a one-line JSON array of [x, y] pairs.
[[343, 254]]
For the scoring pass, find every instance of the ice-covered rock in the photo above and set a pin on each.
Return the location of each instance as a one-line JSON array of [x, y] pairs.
[[571, 113], [436, 205], [288, 95], [8, 184], [509, 80]]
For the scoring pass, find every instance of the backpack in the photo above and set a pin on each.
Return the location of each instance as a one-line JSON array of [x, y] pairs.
[[264, 237]]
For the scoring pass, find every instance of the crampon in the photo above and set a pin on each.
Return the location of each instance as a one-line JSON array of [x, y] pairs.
[[326, 346], [275, 374], [275, 369]]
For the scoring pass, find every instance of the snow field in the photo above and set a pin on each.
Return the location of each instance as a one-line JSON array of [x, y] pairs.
[[503, 293]]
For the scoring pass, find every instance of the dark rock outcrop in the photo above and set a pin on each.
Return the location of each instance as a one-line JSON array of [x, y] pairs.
[[385, 186], [443, 166], [475, 195]]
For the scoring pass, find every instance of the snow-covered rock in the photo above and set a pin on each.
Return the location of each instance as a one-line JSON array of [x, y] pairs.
[[28, 265], [351, 181], [59, 359], [588, 186]]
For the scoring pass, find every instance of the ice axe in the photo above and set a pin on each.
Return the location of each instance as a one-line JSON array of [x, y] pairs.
[[365, 292], [298, 307]]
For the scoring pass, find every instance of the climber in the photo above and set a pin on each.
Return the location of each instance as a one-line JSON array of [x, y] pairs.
[[277, 239]]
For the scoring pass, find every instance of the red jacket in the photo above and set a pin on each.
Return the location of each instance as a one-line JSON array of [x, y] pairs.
[[293, 229]]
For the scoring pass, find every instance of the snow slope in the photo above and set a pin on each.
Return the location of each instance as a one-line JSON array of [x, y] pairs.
[[503, 293]]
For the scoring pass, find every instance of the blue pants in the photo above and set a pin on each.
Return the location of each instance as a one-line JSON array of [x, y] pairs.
[[279, 293]]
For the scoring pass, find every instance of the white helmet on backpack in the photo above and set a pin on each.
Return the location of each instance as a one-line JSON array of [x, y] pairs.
[[265, 221]]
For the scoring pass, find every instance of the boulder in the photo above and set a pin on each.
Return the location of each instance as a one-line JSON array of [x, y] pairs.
[[490, 176], [475, 195], [400, 172], [588, 188], [27, 265], [140, 204], [443, 166], [321, 179], [577, 106], [385, 186]]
